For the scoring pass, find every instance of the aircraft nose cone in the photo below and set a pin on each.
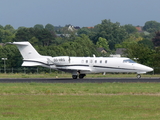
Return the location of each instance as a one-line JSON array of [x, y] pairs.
[[144, 68], [149, 69]]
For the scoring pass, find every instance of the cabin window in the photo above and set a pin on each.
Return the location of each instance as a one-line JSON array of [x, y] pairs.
[[100, 61], [82, 61], [95, 61], [86, 61], [105, 61]]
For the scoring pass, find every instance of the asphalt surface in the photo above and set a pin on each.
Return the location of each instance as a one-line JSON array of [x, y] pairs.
[[85, 80]]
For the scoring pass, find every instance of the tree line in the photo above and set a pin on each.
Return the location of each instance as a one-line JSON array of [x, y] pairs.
[[142, 46]]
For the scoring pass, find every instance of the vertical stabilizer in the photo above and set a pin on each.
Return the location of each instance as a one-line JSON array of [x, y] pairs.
[[27, 50]]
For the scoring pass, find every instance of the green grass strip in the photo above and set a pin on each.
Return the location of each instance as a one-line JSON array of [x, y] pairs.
[[77, 101]]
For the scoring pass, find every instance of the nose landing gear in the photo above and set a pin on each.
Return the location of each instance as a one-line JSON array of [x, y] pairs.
[[138, 76]]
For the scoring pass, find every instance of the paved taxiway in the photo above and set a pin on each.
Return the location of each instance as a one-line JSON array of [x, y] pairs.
[[85, 80]]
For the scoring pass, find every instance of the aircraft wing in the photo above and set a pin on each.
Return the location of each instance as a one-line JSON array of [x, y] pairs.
[[83, 69], [71, 68]]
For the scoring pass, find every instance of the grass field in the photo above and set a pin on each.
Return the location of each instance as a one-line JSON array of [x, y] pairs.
[[77, 101]]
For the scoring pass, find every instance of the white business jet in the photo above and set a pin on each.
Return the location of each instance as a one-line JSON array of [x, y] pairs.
[[79, 66]]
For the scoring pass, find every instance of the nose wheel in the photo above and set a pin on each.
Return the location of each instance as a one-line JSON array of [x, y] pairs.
[[138, 76]]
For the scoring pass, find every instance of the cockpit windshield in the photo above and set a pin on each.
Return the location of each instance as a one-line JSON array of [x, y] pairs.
[[128, 61]]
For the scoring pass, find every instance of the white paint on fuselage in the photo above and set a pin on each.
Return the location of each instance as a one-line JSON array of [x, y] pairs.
[[100, 64]]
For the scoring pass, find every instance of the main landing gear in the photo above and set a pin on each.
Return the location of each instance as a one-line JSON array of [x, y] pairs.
[[81, 76]]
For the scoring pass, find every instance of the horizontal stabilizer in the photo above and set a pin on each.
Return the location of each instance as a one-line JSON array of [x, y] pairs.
[[31, 64]]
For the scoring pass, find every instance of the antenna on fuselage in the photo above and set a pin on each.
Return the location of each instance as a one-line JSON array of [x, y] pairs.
[[69, 59], [94, 55]]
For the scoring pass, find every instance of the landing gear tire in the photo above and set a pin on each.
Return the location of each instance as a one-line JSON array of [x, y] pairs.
[[81, 76], [138, 76], [74, 76]]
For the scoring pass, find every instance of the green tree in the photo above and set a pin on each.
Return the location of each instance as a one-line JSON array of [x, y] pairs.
[[141, 52], [44, 36], [14, 59], [156, 39], [112, 32], [20, 27], [85, 31], [49, 27], [131, 40], [151, 26], [79, 46], [38, 26], [156, 58], [34, 35], [102, 42], [9, 28], [1, 35], [24, 34], [147, 42], [1, 27], [6, 36], [130, 28], [59, 40], [34, 41]]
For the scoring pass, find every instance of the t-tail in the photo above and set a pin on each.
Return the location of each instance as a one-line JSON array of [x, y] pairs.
[[30, 56], [27, 50]]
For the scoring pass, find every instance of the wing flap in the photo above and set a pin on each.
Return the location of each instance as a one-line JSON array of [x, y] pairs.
[[83, 69]]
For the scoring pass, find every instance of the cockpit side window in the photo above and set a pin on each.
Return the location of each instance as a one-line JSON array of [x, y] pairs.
[[128, 61]]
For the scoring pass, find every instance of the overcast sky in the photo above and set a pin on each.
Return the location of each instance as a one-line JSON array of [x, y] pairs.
[[77, 12]]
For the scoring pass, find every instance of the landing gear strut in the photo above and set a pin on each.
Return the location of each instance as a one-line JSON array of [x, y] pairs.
[[138, 76]]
